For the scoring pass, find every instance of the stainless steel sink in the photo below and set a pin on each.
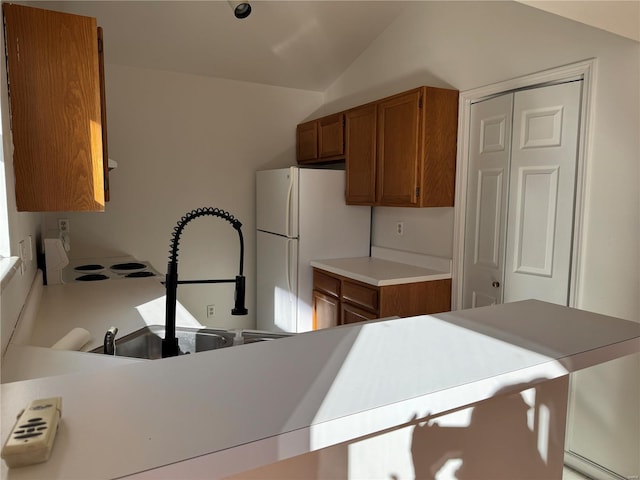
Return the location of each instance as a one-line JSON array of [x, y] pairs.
[[147, 342], [254, 336]]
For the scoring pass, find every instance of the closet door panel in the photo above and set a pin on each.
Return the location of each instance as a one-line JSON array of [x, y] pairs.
[[541, 193], [485, 223]]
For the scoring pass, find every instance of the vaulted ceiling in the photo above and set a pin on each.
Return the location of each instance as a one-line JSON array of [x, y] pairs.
[[297, 44]]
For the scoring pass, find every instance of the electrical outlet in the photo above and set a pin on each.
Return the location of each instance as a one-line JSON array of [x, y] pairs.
[[211, 311], [63, 225], [400, 228]]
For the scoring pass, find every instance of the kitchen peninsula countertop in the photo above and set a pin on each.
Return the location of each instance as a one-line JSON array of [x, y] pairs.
[[388, 267], [217, 413], [128, 304]]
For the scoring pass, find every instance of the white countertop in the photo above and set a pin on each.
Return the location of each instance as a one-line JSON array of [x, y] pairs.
[[221, 412], [27, 362], [129, 304], [379, 272]]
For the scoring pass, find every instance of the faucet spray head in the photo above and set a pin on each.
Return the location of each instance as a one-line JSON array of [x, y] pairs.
[[239, 308]]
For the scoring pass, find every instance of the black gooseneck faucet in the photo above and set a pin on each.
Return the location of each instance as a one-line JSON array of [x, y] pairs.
[[170, 343]]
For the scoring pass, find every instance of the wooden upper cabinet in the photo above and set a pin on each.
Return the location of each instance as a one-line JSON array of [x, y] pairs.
[[307, 142], [360, 154], [401, 150], [321, 140], [331, 136], [439, 137], [54, 74]]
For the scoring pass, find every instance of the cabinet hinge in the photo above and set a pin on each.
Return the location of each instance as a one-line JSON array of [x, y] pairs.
[[100, 46], [417, 192], [420, 102]]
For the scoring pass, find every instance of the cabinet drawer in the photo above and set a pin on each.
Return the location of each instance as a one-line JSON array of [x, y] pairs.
[[352, 314], [326, 283], [358, 294]]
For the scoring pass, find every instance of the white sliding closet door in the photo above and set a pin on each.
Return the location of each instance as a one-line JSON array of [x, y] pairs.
[[541, 193], [485, 225], [522, 173]]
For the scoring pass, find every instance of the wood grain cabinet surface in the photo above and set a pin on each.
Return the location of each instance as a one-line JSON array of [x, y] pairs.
[[339, 300], [360, 154], [56, 89], [401, 150], [321, 140], [307, 142]]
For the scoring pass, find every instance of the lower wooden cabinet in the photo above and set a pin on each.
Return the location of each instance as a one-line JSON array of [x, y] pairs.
[[352, 314], [339, 300], [326, 310]]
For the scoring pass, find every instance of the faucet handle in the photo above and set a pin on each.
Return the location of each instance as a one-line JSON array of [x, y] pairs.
[[110, 341]]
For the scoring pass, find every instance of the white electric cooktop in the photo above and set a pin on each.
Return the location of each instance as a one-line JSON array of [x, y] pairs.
[[107, 268]]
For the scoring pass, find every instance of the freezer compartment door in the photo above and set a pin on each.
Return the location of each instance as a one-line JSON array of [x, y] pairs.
[[277, 201], [277, 286]]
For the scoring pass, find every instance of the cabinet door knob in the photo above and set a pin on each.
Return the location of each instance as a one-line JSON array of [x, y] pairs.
[[495, 284]]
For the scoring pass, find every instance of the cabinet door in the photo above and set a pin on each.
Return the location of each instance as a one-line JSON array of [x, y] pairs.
[[307, 142], [399, 149], [360, 155], [326, 310], [353, 314], [54, 86], [331, 136], [440, 116]]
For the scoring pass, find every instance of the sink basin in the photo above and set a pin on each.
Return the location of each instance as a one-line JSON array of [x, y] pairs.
[[147, 342], [253, 336]]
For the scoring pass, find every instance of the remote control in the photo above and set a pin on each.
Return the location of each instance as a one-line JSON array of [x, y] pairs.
[[31, 439]]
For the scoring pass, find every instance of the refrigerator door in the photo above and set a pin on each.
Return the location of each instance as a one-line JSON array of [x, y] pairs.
[[277, 288], [277, 201]]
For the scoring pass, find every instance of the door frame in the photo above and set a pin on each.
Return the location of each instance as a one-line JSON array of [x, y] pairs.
[[585, 70]]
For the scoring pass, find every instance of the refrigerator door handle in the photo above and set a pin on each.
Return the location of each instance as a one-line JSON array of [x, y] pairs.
[[288, 267], [288, 209]]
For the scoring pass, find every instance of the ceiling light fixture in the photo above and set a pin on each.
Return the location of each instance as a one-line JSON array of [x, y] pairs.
[[240, 9]]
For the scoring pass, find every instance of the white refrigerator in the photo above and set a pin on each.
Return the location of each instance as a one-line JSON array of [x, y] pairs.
[[301, 216]]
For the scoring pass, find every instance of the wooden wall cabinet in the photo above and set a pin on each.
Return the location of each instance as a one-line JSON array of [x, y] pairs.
[[58, 120], [321, 140], [339, 300], [307, 142], [360, 155], [401, 150]]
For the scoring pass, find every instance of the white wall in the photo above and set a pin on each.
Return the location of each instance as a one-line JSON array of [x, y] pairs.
[[462, 45], [466, 45], [183, 142], [18, 225]]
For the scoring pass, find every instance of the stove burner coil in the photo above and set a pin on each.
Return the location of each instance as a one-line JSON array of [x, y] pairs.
[[140, 274], [128, 266], [89, 268], [92, 277]]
